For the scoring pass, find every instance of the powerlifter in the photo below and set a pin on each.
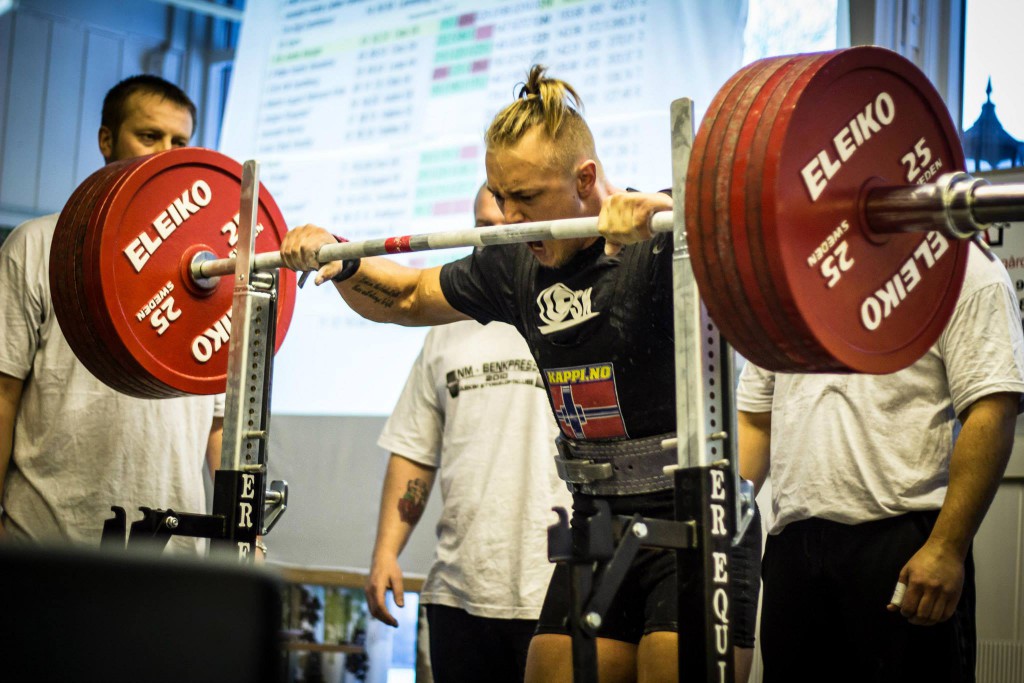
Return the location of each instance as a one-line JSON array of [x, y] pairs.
[[597, 315]]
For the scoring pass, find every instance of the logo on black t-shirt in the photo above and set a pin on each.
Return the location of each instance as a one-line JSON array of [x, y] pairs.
[[561, 308], [586, 401]]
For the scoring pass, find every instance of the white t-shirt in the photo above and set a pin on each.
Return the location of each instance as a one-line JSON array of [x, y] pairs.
[[855, 448], [475, 407], [80, 446]]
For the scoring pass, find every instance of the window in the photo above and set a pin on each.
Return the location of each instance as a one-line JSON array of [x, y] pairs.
[[783, 27], [993, 117]]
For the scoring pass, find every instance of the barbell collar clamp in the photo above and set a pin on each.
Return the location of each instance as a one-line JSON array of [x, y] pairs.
[[957, 204], [205, 283]]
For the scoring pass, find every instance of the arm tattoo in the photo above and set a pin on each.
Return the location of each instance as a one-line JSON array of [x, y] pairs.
[[410, 507], [381, 294]]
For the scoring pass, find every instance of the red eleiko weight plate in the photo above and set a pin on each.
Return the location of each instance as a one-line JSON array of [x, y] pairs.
[[69, 294], [127, 367], [714, 284], [727, 224], [785, 330], [864, 117], [164, 206], [116, 263]]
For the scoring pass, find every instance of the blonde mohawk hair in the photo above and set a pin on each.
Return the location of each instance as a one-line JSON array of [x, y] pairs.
[[552, 104]]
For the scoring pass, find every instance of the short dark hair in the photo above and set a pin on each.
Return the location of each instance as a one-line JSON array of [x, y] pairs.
[[114, 103]]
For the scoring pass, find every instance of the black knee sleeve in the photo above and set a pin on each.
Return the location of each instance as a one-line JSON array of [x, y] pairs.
[[746, 583]]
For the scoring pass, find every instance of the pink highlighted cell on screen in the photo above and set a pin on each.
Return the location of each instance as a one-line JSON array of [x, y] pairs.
[[453, 206]]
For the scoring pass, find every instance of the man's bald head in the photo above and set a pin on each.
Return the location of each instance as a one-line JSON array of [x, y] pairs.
[[485, 209]]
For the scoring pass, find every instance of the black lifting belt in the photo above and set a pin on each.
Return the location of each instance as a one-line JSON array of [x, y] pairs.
[[615, 468]]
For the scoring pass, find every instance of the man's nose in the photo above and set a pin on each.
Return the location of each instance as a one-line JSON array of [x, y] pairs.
[[512, 213]]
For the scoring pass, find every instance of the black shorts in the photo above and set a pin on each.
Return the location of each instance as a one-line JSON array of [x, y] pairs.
[[464, 647], [646, 601]]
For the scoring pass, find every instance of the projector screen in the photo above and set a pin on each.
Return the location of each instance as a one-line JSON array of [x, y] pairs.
[[367, 117]]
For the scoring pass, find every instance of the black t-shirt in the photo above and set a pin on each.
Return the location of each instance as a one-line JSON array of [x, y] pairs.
[[600, 329]]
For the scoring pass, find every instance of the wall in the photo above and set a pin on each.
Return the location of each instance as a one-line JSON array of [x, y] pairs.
[[927, 32], [57, 60], [999, 546], [334, 471]]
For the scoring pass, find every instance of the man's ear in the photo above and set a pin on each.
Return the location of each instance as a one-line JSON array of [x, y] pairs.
[[586, 178], [106, 141]]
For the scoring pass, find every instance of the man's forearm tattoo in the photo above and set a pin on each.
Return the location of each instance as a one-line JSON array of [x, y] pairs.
[[410, 506], [381, 294]]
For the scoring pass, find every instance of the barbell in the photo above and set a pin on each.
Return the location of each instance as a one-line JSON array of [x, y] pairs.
[[825, 214]]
